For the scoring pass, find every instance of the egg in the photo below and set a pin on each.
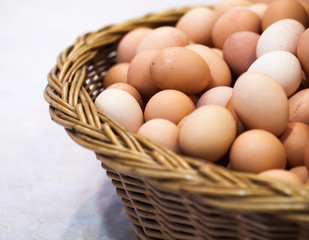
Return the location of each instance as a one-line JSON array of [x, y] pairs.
[[234, 21], [127, 46], [180, 123], [197, 24], [194, 98], [299, 107], [207, 133], [281, 35], [220, 74], [161, 131], [239, 124], [280, 175], [139, 74], [258, 8], [301, 172], [256, 151], [239, 51], [223, 6], [163, 37], [306, 155], [260, 102], [121, 107], [218, 51], [294, 140], [180, 69], [169, 104], [283, 66], [284, 9], [305, 5], [116, 74], [217, 95], [130, 89], [303, 51]]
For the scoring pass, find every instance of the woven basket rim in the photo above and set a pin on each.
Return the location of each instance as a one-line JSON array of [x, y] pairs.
[[71, 106]]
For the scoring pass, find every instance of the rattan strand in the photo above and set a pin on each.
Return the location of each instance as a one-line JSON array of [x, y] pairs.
[[165, 195]]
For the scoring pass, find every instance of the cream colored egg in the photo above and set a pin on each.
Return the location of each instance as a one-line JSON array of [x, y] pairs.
[[122, 107], [283, 66], [281, 35]]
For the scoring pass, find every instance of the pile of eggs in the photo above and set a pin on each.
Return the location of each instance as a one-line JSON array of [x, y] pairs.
[[226, 84]]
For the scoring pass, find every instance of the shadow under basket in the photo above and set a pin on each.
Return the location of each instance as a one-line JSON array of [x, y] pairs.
[[165, 195]]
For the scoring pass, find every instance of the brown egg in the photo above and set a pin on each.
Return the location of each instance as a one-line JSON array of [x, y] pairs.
[[217, 95], [139, 75], [130, 89], [234, 21], [281, 175], [122, 107], [223, 6], [260, 102], [161, 131], [264, 1], [239, 51], [220, 74], [256, 151], [194, 98], [301, 172], [163, 37], [305, 5], [169, 104], [116, 74], [306, 155], [304, 82], [180, 69], [299, 107], [294, 140], [197, 24], [127, 46], [239, 124], [303, 51], [208, 133], [284, 9]]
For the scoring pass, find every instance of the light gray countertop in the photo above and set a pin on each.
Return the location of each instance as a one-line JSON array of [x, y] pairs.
[[50, 187]]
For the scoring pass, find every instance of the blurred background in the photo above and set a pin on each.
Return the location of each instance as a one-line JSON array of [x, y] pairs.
[[50, 187]]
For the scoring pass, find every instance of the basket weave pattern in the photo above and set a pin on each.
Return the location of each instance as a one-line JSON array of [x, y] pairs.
[[165, 196]]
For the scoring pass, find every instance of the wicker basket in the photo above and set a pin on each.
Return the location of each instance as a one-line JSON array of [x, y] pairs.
[[165, 195]]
